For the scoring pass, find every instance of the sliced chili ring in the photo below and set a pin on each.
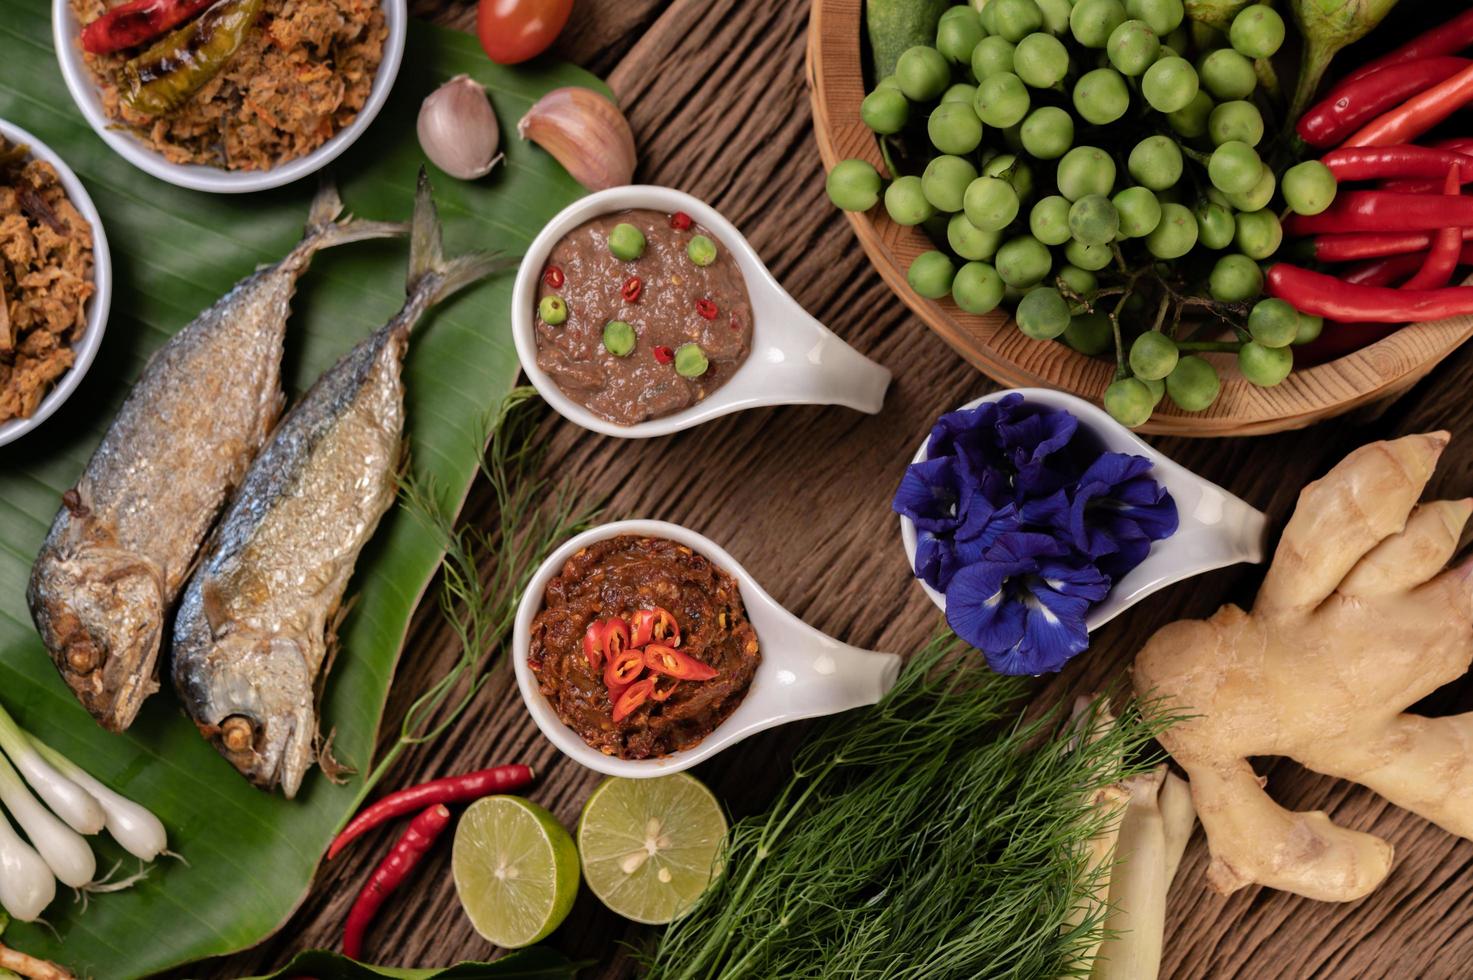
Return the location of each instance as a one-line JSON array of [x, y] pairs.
[[681, 221], [633, 287], [624, 670], [593, 642], [706, 308], [632, 697], [553, 276], [656, 626], [662, 687], [675, 663], [664, 354], [615, 639]]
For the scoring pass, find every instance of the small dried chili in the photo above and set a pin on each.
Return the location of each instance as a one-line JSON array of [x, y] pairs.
[[136, 23], [632, 289], [632, 697], [681, 221], [706, 309], [676, 663], [406, 853], [1354, 103], [655, 626], [553, 276], [1442, 260], [663, 354], [1320, 295], [451, 789], [1418, 114]]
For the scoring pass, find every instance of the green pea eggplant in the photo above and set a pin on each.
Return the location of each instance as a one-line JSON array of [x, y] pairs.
[[179, 64], [1328, 26], [1214, 13]]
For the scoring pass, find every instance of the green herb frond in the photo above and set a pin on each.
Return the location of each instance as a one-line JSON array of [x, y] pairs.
[[937, 835]]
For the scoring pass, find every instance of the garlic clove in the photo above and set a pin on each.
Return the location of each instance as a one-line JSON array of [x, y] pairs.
[[586, 133], [458, 130]]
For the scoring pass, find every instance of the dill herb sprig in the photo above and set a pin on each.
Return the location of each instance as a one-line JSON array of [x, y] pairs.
[[486, 570], [938, 835]]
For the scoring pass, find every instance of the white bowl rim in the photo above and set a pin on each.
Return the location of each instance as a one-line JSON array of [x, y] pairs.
[[215, 180], [97, 305]]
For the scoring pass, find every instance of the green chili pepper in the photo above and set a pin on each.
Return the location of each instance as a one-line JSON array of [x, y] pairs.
[[180, 63]]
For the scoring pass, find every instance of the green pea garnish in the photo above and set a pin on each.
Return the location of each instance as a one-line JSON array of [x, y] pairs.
[[619, 339], [553, 310], [701, 250], [690, 361], [626, 242]]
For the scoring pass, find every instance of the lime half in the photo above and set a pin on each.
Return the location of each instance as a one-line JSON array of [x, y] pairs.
[[515, 869], [651, 846]]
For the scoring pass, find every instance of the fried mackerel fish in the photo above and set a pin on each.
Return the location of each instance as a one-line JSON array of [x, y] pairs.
[[253, 631], [128, 532]]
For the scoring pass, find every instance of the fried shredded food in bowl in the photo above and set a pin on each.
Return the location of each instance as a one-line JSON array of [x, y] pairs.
[[45, 280], [302, 75]]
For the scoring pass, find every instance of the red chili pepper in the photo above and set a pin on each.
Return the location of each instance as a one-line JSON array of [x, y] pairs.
[[137, 23], [407, 851], [706, 309], [655, 626], [681, 221], [553, 277], [664, 354], [1418, 114], [1320, 295], [676, 663], [1384, 211], [632, 697], [1353, 103], [632, 288], [593, 642], [625, 670], [615, 638], [1454, 35], [1458, 144], [1375, 162], [1355, 246], [662, 687], [1442, 260], [451, 789]]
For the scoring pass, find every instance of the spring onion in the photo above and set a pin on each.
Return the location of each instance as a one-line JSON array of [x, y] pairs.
[[27, 885], [133, 826], [64, 849], [66, 799]]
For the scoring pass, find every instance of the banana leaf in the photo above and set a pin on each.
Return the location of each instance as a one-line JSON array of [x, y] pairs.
[[528, 964], [251, 856]]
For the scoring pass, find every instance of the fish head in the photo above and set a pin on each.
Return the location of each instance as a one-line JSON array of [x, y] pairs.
[[100, 612], [251, 695]]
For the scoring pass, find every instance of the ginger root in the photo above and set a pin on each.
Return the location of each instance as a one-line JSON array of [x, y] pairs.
[[1357, 619]]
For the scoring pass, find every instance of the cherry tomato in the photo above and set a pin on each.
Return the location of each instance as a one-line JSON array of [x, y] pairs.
[[674, 663], [515, 30]]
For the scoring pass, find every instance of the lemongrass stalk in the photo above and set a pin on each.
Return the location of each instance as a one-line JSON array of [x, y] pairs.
[[1137, 920], [132, 825], [67, 800], [1109, 801], [64, 850], [1180, 817], [27, 885]]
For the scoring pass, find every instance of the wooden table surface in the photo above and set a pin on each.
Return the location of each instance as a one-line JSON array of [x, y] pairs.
[[715, 92]]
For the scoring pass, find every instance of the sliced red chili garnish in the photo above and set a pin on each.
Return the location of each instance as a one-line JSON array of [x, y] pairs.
[[681, 221], [656, 626], [632, 697], [593, 642], [553, 277], [664, 354], [615, 638], [662, 687], [706, 309], [624, 670], [632, 288], [736, 322], [675, 663]]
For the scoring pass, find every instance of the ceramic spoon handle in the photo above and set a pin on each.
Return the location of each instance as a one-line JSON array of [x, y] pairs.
[[807, 364]]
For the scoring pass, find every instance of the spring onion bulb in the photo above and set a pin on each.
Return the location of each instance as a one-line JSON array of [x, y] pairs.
[[27, 885], [65, 850], [133, 826], [67, 800]]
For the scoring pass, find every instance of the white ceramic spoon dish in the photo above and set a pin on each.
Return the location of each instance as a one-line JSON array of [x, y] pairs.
[[88, 344], [804, 673], [1216, 528], [65, 32], [795, 360]]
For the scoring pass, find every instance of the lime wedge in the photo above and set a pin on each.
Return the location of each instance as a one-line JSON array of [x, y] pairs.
[[515, 869], [651, 846]]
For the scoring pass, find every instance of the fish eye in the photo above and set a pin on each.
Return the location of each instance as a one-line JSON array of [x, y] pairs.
[[238, 733]]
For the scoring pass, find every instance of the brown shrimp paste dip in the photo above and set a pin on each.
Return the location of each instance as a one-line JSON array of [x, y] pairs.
[[618, 577], [675, 302]]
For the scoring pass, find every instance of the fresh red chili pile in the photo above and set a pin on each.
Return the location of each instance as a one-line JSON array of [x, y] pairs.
[[640, 659], [1404, 226]]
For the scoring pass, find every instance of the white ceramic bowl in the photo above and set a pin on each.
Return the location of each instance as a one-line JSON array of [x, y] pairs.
[[803, 674], [1215, 528], [97, 305], [795, 360], [65, 32]]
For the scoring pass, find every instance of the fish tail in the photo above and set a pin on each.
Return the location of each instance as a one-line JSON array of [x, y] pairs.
[[326, 227], [433, 277]]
